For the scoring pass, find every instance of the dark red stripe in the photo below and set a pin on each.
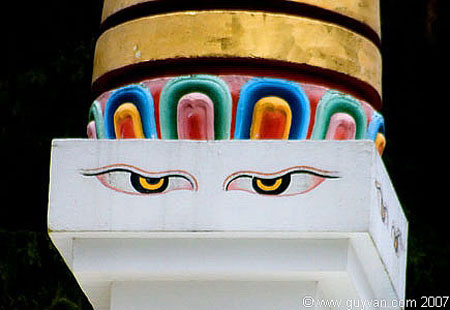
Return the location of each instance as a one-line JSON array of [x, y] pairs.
[[238, 66]]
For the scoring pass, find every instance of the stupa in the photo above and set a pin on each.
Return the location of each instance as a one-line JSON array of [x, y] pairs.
[[232, 160]]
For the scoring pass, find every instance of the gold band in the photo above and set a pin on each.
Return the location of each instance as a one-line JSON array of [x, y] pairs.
[[365, 11], [111, 7], [239, 34]]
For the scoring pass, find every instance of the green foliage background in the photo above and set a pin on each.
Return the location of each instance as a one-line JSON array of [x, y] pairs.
[[45, 92]]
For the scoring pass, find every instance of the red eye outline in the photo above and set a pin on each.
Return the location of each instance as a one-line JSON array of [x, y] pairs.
[[101, 173], [284, 175]]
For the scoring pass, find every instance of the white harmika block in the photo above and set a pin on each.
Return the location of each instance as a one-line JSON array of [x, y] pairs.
[[337, 231]]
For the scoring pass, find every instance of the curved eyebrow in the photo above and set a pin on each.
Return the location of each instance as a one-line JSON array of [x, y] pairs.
[[292, 170], [132, 169]]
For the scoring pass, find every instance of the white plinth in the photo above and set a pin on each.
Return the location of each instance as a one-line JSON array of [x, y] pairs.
[[342, 238]]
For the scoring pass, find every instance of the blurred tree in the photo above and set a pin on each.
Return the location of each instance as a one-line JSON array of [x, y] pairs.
[[33, 276], [414, 83]]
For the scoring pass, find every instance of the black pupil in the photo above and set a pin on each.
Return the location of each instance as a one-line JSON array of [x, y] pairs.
[[138, 187], [285, 181], [269, 182], [152, 180]]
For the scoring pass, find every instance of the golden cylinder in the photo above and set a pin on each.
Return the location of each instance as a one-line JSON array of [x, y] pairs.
[[239, 34], [364, 11]]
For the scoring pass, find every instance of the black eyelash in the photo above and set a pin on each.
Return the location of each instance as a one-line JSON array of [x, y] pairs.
[[315, 174], [281, 176], [93, 174]]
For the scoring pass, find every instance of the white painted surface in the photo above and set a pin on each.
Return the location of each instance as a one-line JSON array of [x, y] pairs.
[[83, 203], [332, 236], [207, 295], [180, 258], [384, 232]]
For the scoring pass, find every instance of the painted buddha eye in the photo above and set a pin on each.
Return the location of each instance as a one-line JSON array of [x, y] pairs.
[[149, 185], [131, 180], [271, 186], [288, 182]]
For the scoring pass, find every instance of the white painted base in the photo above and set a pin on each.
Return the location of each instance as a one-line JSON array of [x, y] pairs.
[[343, 241], [207, 295]]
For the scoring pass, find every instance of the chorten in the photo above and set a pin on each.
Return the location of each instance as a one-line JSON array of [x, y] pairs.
[[233, 160]]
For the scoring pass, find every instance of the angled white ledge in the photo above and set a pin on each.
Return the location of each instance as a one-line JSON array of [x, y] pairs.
[[337, 231]]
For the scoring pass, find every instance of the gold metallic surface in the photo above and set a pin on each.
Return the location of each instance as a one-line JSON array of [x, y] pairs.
[[240, 34], [365, 11], [111, 7]]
